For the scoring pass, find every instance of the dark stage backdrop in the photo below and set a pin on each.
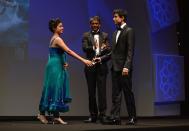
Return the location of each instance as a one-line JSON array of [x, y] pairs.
[[24, 41]]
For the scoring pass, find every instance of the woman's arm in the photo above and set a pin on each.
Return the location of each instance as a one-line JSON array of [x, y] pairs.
[[62, 44]]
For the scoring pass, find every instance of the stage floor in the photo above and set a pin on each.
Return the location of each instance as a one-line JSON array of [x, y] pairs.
[[78, 125]]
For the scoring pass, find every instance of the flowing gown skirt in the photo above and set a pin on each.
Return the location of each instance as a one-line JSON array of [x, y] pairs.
[[55, 95]]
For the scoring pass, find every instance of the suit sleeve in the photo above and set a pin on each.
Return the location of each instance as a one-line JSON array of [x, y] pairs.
[[130, 52], [107, 52], [85, 43], [106, 57]]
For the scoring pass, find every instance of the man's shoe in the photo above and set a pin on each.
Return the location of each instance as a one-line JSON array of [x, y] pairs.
[[103, 119], [115, 122], [131, 121], [90, 120], [111, 122]]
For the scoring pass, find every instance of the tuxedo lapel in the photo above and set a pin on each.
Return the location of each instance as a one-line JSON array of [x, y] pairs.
[[114, 40], [92, 39], [101, 38], [121, 33]]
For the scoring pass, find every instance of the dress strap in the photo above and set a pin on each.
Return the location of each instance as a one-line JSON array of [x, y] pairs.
[[52, 41]]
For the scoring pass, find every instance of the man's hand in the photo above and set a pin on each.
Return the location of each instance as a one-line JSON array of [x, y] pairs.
[[125, 72], [97, 59], [104, 46]]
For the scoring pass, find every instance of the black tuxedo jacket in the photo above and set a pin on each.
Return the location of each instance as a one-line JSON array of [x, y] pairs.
[[88, 43], [122, 51]]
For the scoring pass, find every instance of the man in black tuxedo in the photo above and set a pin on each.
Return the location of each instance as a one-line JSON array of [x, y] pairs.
[[122, 56], [95, 44]]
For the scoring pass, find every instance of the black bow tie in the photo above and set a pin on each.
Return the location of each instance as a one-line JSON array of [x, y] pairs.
[[119, 28], [95, 33]]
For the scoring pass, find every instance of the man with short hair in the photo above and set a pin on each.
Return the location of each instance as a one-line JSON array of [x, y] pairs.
[[123, 40], [95, 44]]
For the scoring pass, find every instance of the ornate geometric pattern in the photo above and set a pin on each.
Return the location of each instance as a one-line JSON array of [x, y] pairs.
[[169, 78], [162, 13], [14, 22]]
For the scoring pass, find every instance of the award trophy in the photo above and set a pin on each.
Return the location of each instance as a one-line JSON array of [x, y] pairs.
[[99, 51]]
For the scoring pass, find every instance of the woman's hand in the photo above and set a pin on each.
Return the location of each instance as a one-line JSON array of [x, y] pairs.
[[88, 62], [65, 65]]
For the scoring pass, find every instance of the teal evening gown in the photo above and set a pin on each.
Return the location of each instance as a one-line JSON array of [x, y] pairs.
[[55, 95]]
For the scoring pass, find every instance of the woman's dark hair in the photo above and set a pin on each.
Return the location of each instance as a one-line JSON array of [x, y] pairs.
[[53, 23], [121, 13]]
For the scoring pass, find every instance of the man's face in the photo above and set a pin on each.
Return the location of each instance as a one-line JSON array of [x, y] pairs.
[[95, 25], [117, 19]]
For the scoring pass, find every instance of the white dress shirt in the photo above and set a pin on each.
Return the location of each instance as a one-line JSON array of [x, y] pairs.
[[119, 31], [96, 39]]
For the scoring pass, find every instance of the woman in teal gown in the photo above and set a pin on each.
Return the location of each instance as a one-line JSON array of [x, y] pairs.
[[56, 93]]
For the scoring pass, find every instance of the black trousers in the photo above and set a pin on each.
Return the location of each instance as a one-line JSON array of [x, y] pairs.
[[96, 80], [122, 83]]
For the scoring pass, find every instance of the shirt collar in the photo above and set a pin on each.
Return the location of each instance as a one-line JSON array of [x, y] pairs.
[[123, 25]]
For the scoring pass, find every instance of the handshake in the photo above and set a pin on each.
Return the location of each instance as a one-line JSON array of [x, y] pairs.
[[96, 60], [92, 62]]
